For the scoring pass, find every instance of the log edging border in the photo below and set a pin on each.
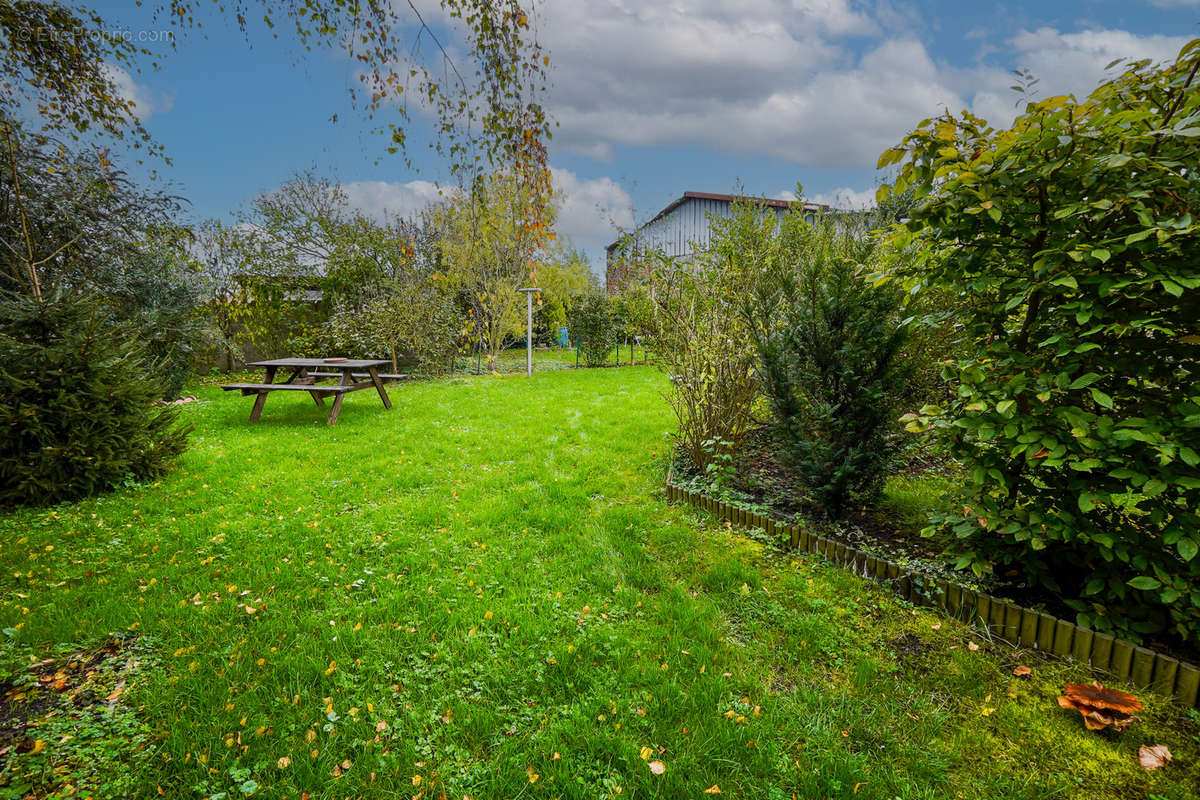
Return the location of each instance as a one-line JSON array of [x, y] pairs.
[[1017, 625]]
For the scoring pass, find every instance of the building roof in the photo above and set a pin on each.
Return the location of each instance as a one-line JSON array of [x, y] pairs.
[[728, 198]]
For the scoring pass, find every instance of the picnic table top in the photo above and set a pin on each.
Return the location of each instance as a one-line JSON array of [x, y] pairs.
[[336, 363]]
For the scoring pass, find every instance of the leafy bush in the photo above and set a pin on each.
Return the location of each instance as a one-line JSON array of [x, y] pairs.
[[77, 414], [419, 319], [1072, 242], [593, 323], [829, 343], [158, 294], [698, 335]]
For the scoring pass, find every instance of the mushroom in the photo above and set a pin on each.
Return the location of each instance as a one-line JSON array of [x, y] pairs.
[[1101, 707]]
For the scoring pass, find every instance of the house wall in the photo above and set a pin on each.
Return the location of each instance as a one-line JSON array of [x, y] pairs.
[[686, 229]]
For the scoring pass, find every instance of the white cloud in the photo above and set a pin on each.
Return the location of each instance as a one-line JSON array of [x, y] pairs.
[[845, 198], [817, 82], [831, 117], [1063, 63], [1075, 62], [590, 208], [145, 100], [591, 211], [764, 77], [382, 199]]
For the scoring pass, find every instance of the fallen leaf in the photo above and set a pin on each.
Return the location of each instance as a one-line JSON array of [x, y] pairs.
[[1153, 756], [284, 762], [937, 626], [714, 789], [972, 646], [1021, 671], [646, 753], [657, 767]]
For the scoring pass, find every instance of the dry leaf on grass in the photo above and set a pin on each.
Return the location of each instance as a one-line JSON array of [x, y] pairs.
[[1101, 707], [1021, 671], [1153, 756], [657, 767], [714, 789]]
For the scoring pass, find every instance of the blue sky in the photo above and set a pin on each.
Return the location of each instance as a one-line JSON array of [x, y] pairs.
[[652, 98]]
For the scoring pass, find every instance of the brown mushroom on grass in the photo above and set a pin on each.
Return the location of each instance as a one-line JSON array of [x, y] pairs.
[[1101, 707]]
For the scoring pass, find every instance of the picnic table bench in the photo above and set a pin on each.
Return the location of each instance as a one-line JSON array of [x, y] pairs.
[[352, 375]]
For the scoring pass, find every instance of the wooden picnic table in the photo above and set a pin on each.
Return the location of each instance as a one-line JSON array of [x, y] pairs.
[[306, 376]]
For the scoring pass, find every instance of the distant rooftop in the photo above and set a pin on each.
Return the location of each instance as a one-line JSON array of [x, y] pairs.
[[729, 198]]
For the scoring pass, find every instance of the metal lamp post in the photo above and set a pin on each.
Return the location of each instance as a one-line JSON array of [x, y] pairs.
[[529, 292]]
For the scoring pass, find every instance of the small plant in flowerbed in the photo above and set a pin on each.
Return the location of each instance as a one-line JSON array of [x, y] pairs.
[[758, 478]]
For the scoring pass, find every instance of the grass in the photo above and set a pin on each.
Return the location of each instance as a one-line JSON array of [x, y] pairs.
[[910, 498], [512, 360], [482, 593]]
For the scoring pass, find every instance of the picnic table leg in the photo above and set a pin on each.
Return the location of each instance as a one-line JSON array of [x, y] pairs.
[[261, 400], [337, 407], [347, 379], [383, 395], [316, 396]]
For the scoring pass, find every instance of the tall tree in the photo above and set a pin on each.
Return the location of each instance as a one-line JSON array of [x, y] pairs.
[[489, 248]]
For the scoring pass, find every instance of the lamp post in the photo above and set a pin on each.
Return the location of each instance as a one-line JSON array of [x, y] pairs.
[[529, 292]]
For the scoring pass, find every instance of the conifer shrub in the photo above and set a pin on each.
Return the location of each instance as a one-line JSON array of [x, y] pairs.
[[829, 343], [77, 403]]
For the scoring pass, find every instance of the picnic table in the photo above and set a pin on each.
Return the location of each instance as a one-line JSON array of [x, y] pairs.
[[306, 376]]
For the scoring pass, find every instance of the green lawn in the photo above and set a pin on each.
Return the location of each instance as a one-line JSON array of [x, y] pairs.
[[483, 593], [512, 360]]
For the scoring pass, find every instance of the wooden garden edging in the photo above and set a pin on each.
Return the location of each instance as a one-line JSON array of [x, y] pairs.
[[1017, 625]]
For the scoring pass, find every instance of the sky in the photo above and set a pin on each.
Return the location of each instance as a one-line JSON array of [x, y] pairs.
[[651, 97]]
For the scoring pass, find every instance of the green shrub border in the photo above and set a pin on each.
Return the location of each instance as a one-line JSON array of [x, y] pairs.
[[1017, 625]]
